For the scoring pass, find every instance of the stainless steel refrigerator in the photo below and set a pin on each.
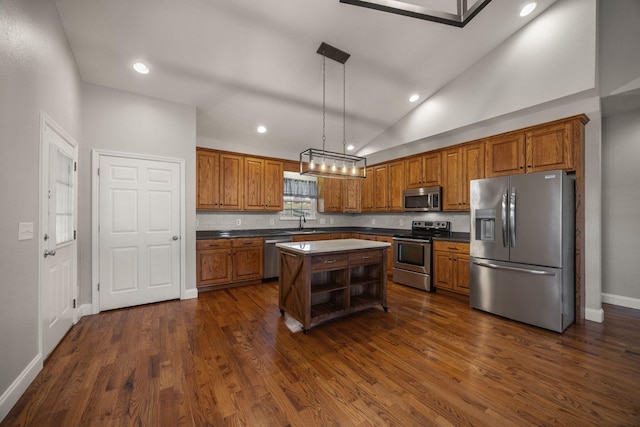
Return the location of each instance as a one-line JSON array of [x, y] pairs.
[[523, 248]]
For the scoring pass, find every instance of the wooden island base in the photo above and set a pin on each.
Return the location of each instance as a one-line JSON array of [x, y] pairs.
[[327, 279]]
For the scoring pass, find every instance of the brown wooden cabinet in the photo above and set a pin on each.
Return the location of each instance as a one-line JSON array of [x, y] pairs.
[[451, 266], [263, 184], [219, 180], [330, 194], [351, 193], [388, 239], [537, 149], [228, 262], [388, 184], [213, 261], [247, 258], [423, 170], [367, 188], [459, 166]]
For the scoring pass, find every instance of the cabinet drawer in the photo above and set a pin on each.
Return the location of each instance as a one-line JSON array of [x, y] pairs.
[[329, 262], [365, 257], [460, 247], [247, 242], [213, 244]]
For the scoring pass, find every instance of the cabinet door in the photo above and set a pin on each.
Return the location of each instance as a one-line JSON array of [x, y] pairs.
[[472, 168], [505, 155], [461, 273], [335, 195], [231, 182], [247, 263], [443, 269], [351, 194], [413, 168], [396, 186], [273, 185], [550, 148], [432, 171], [451, 179], [253, 184], [381, 187], [389, 240], [367, 191], [214, 266], [207, 172]]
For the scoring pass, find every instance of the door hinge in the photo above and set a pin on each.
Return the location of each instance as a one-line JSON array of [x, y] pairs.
[[98, 171], [74, 303], [74, 234], [75, 166], [98, 287]]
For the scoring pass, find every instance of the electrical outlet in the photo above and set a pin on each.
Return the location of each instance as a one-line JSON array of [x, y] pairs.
[[402, 222], [322, 221], [331, 221], [238, 221], [373, 221], [272, 221]]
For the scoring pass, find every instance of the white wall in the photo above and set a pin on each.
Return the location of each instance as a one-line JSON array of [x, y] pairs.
[[121, 121], [621, 204], [37, 74]]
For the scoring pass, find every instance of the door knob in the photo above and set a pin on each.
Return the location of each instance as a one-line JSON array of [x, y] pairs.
[[176, 237], [47, 253]]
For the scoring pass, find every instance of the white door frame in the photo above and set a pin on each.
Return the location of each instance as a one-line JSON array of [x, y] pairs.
[[46, 121], [95, 219]]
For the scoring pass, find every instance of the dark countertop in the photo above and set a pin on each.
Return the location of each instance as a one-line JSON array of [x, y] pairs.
[[230, 234]]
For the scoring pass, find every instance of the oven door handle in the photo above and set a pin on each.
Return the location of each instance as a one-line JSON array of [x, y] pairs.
[[404, 239]]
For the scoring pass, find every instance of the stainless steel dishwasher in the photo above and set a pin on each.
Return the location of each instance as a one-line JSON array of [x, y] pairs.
[[271, 264]]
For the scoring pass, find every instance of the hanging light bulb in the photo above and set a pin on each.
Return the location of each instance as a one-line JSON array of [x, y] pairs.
[[354, 170], [323, 167], [333, 167], [311, 163], [344, 168]]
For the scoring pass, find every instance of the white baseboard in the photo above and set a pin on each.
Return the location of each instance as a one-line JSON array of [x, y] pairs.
[[19, 386], [190, 293], [621, 301], [85, 310], [594, 315]]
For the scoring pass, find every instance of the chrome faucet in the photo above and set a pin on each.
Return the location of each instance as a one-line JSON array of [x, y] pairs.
[[302, 218]]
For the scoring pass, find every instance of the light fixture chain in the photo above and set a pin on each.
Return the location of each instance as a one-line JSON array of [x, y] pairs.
[[344, 107], [324, 138]]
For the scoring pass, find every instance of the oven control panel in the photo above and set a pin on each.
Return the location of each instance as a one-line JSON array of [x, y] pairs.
[[431, 225]]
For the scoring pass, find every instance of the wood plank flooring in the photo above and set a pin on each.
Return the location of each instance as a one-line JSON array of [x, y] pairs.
[[229, 358]]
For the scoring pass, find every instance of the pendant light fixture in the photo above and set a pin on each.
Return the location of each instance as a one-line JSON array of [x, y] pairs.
[[329, 163]]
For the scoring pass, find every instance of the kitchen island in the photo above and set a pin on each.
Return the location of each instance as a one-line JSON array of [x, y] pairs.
[[325, 279]]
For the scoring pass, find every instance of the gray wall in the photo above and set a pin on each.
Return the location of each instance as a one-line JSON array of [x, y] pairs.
[[121, 121], [37, 74], [621, 205]]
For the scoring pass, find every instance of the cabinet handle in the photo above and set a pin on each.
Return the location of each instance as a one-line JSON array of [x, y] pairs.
[[247, 243], [289, 254], [330, 261], [366, 257], [449, 247]]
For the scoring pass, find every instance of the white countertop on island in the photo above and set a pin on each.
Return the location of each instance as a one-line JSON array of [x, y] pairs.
[[336, 245]]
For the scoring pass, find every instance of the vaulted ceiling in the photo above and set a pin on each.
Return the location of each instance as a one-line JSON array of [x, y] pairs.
[[244, 63]]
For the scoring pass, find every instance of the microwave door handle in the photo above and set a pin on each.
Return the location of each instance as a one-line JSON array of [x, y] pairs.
[[512, 217], [505, 219]]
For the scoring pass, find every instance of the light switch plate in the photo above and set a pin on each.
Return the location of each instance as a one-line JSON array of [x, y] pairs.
[[25, 231], [331, 221], [373, 221], [322, 221]]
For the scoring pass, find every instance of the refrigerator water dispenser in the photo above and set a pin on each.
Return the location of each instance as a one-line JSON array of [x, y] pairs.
[[485, 224]]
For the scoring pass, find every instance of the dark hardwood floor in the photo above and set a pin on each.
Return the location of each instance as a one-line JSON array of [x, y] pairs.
[[229, 358]]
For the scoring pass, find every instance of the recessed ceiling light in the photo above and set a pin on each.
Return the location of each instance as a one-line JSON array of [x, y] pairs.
[[350, 147], [141, 68], [262, 129], [527, 9], [414, 98]]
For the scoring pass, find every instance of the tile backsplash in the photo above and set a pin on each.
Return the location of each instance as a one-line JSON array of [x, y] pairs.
[[262, 220]]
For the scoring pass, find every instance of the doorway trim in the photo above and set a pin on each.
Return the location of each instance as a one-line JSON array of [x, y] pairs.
[[95, 219]]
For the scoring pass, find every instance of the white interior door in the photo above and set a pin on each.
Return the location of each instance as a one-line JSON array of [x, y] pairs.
[[59, 269], [139, 231]]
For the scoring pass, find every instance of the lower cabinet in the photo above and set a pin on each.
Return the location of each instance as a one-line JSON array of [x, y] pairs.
[[222, 263], [451, 266]]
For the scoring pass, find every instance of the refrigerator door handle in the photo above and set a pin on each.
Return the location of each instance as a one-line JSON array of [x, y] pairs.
[[504, 219], [521, 270], [512, 218]]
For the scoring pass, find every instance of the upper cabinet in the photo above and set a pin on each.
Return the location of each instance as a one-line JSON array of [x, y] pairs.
[[263, 184], [459, 166], [330, 194], [366, 191], [219, 180], [423, 170], [351, 192], [537, 149], [388, 184]]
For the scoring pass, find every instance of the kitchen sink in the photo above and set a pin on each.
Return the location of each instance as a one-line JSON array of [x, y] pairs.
[[304, 231]]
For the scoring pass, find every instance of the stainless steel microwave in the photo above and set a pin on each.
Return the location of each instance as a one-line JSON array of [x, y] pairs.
[[422, 199]]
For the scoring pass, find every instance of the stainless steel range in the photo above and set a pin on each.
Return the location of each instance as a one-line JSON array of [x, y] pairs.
[[412, 253]]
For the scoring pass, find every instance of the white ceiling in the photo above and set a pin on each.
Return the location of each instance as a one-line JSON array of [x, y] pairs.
[[243, 63]]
